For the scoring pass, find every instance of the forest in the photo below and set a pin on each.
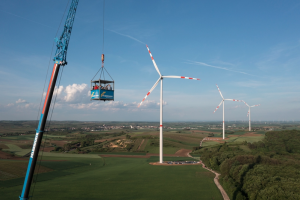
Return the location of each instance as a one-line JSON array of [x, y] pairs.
[[268, 169]]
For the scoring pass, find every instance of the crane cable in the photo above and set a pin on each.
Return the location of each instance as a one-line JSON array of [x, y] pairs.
[[46, 135], [102, 56], [103, 27]]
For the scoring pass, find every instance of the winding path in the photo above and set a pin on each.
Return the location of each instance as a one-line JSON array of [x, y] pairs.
[[216, 179]]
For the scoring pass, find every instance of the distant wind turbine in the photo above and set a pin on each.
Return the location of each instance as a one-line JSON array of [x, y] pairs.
[[223, 101], [161, 102], [249, 113]]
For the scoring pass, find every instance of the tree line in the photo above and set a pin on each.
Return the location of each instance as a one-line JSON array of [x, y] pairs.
[[270, 170]]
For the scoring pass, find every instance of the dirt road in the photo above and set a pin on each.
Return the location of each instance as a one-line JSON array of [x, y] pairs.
[[216, 179]]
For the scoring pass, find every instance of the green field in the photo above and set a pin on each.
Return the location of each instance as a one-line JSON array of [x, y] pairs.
[[21, 137], [117, 178], [233, 140], [16, 149], [72, 168], [248, 139]]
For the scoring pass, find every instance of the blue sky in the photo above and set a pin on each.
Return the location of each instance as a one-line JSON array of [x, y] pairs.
[[251, 49]]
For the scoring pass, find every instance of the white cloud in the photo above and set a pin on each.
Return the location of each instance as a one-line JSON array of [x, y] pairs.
[[20, 101], [75, 92], [58, 91], [116, 106], [150, 104], [19, 107]]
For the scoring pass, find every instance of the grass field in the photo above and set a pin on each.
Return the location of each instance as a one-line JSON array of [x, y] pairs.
[[232, 140], [11, 169], [250, 139], [209, 143], [17, 150], [118, 178], [21, 137], [167, 150]]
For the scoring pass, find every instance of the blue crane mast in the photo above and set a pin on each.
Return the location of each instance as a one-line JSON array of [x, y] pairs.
[[59, 60]]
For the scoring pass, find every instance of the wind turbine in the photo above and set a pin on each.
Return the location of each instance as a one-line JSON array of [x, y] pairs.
[[249, 113], [161, 102], [223, 101]]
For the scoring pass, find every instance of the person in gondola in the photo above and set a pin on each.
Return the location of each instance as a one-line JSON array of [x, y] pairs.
[[109, 87], [96, 87]]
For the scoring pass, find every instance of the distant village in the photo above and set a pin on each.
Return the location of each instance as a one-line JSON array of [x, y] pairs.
[[133, 127], [107, 127]]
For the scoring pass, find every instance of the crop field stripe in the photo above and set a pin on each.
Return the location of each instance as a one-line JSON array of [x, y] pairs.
[[136, 144], [66, 155], [16, 169], [121, 153], [142, 148], [3, 146], [182, 143], [12, 147]]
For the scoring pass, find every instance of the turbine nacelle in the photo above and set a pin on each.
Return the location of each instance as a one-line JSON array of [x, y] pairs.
[[250, 107], [225, 99], [161, 77]]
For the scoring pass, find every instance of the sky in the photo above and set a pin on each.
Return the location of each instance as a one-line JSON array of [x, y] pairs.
[[251, 49]]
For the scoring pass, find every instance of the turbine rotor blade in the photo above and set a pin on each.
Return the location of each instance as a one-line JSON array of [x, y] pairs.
[[255, 105], [220, 91], [155, 84], [246, 103], [181, 77], [154, 63], [218, 106], [233, 100]]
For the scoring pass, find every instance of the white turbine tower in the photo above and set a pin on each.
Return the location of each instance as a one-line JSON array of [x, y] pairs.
[[249, 114], [161, 102], [223, 101]]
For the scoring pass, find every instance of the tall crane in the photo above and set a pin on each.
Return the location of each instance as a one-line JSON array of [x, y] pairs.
[[59, 60]]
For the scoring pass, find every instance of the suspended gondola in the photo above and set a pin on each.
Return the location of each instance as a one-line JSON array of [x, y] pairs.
[[102, 89]]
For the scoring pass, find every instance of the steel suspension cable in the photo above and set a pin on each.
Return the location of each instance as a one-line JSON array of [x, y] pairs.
[[108, 74]]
